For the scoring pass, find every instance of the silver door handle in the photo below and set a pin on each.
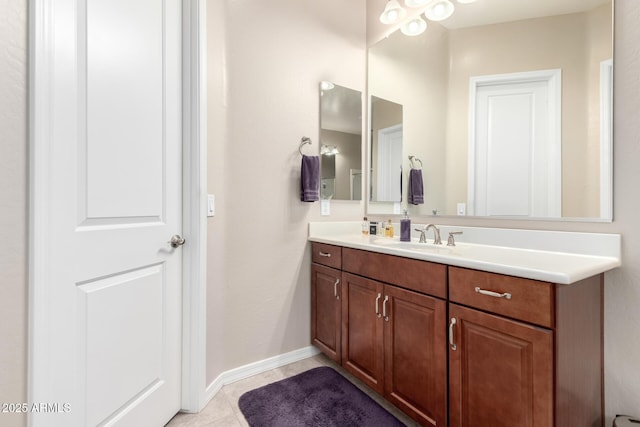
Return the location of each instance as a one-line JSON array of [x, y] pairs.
[[384, 308], [378, 305], [335, 289], [452, 343], [506, 295], [176, 240]]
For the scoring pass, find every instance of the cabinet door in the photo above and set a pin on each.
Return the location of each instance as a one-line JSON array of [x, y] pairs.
[[362, 330], [500, 373], [325, 310], [416, 355]]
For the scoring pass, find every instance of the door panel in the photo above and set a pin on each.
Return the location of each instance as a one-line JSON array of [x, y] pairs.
[[362, 330], [326, 310], [415, 355], [501, 372], [107, 330], [515, 145], [125, 100]]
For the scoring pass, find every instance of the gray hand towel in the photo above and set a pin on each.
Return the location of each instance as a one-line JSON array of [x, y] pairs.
[[415, 188], [310, 178]]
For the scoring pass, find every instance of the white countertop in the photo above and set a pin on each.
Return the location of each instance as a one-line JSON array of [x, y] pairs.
[[557, 257]]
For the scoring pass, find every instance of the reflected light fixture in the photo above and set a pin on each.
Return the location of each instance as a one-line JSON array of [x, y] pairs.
[[466, 1], [326, 85], [417, 3], [439, 10], [393, 12], [329, 150], [414, 27]]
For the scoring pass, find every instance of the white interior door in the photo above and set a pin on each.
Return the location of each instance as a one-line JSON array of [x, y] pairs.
[[390, 164], [106, 300], [515, 154]]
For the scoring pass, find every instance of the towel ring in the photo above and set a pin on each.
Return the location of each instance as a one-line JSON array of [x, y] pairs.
[[303, 141], [414, 158]]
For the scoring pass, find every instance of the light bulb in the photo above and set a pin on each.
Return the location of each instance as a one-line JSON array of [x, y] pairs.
[[414, 27], [392, 13], [439, 10]]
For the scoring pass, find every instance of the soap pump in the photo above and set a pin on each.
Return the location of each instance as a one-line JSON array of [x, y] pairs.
[[405, 228]]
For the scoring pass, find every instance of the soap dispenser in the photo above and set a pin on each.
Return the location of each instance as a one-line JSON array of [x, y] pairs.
[[405, 228], [388, 229]]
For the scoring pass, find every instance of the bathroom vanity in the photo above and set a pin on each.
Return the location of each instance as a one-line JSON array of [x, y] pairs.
[[481, 335]]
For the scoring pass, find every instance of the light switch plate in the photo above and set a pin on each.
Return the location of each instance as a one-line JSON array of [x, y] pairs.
[[211, 205], [325, 207], [462, 209]]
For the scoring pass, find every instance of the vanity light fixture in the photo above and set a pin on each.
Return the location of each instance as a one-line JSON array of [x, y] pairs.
[[329, 150], [414, 27], [393, 12], [439, 10], [417, 3], [466, 1]]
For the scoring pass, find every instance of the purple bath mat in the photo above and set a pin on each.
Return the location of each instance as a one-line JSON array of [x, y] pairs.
[[315, 398]]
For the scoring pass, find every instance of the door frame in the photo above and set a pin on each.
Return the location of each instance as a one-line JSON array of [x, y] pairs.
[[606, 139], [194, 182], [553, 78]]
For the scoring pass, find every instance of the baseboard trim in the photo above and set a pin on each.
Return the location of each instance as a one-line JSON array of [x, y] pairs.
[[255, 368]]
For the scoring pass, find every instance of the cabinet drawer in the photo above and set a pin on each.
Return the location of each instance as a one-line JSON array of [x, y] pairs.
[[420, 276], [328, 255], [523, 299]]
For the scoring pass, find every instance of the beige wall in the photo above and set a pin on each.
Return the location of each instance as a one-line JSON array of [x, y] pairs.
[[264, 87], [274, 277], [13, 206]]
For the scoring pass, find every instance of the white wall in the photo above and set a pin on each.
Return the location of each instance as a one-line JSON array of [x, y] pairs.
[[264, 97]]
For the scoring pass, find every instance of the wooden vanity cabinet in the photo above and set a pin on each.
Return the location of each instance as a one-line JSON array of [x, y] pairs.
[[394, 339], [529, 355], [532, 359], [326, 312]]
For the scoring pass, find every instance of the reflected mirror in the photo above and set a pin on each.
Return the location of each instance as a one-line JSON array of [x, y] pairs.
[[508, 106], [340, 142]]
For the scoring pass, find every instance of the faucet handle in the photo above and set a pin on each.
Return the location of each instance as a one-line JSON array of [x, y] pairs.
[[451, 241], [423, 234]]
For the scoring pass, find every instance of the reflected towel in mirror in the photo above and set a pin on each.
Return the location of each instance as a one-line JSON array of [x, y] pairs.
[[415, 189], [310, 178]]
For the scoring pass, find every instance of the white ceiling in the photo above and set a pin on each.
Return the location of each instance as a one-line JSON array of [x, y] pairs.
[[484, 12]]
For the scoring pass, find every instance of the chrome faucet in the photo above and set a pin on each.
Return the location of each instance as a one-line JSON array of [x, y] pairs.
[[436, 234]]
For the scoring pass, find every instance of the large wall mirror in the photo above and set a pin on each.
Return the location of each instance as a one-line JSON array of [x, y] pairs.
[[340, 142], [508, 107]]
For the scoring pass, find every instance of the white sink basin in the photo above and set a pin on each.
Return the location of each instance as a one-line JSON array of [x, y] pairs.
[[413, 245]]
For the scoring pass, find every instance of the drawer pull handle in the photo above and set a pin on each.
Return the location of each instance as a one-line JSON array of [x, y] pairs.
[[324, 254], [452, 343], [505, 295], [384, 308], [335, 289], [378, 306]]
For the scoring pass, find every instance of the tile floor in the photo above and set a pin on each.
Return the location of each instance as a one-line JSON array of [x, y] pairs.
[[223, 409]]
